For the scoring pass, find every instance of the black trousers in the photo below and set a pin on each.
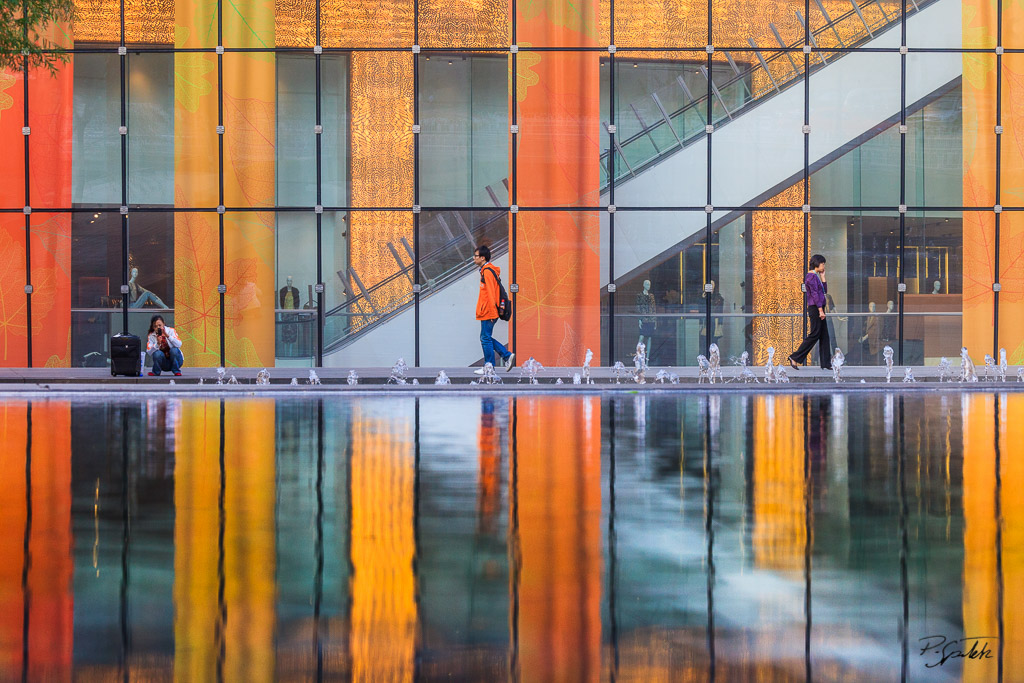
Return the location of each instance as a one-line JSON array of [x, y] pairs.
[[817, 335]]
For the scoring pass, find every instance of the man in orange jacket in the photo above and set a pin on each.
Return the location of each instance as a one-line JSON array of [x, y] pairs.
[[487, 309]]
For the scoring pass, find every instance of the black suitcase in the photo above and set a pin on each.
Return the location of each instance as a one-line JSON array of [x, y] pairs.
[[125, 355]]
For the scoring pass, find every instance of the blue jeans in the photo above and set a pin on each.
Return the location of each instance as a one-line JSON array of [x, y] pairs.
[[490, 344], [171, 362]]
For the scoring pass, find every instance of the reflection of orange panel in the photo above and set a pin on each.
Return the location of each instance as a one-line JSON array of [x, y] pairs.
[[1012, 508], [559, 504], [384, 614], [779, 532], [196, 522], [51, 629], [12, 532], [979, 482]]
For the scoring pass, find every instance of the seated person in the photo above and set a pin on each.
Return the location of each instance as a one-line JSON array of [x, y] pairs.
[[139, 296], [165, 348]]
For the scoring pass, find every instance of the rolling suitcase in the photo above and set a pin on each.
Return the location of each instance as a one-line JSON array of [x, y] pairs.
[[125, 355]]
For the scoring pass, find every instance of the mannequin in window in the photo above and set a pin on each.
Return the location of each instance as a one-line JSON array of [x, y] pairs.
[[869, 340], [289, 298], [646, 307], [937, 287], [139, 296], [889, 324], [289, 294]]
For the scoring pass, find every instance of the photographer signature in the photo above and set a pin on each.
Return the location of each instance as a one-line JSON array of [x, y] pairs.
[[944, 649]]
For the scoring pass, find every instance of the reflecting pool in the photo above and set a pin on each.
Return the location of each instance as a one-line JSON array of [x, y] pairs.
[[532, 538]]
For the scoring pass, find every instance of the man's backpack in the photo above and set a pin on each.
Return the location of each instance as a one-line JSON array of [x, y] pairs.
[[504, 303]]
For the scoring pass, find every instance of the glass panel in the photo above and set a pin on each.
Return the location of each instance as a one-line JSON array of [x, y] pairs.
[[366, 24], [96, 144], [251, 24], [645, 23], [933, 303], [935, 136], [464, 130], [559, 272], [660, 292], [464, 23], [761, 149], [862, 273], [853, 109], [659, 107], [559, 116], [295, 136], [151, 95], [334, 142], [295, 333], [451, 282], [970, 24]]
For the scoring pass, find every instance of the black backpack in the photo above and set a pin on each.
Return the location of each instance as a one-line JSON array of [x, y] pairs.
[[504, 303]]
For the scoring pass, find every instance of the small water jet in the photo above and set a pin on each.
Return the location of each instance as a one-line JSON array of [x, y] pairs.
[[838, 361], [576, 379], [232, 380], [220, 375], [294, 382], [442, 378], [352, 379], [945, 370], [661, 376], [618, 370], [489, 377], [559, 381], [262, 378], [398, 371], [530, 369], [1002, 365], [769, 367], [640, 362], [968, 373], [314, 379], [745, 376], [887, 355], [715, 363], [990, 367], [908, 375], [703, 369], [586, 367], [781, 377]]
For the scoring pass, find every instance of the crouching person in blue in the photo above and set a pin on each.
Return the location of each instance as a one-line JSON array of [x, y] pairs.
[[165, 348]]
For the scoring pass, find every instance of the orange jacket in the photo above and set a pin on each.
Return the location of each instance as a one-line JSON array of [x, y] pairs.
[[487, 301]]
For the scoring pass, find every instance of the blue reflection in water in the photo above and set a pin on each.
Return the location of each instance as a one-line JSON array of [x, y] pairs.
[[538, 538]]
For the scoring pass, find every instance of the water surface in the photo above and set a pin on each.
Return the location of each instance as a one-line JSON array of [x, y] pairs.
[[536, 538]]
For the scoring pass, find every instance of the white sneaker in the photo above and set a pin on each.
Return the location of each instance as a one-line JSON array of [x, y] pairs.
[[510, 362], [478, 371]]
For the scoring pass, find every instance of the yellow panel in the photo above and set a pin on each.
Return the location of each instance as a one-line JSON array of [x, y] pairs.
[[145, 21], [778, 271], [780, 536]]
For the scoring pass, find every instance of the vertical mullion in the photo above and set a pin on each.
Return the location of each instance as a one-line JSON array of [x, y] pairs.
[[416, 183], [123, 58], [999, 150], [28, 205], [514, 152], [807, 166], [902, 264], [611, 190], [317, 131], [708, 331], [220, 173]]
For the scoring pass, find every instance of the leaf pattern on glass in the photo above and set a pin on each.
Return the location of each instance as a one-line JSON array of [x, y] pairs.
[[7, 79], [190, 70], [13, 308], [250, 148], [575, 16], [526, 77]]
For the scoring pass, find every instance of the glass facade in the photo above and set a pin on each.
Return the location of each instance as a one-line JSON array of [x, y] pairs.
[[304, 183]]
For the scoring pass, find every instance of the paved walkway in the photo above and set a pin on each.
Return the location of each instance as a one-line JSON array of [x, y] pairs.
[[375, 379]]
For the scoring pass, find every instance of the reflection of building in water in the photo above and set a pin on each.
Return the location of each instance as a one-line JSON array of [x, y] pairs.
[[383, 546], [233, 634], [36, 618], [780, 536], [993, 556], [559, 516]]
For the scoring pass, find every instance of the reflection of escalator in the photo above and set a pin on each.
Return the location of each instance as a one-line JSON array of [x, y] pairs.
[[659, 147]]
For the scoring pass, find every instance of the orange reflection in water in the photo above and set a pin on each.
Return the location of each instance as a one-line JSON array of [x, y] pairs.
[[984, 500], [384, 613], [36, 601], [234, 635], [559, 517]]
